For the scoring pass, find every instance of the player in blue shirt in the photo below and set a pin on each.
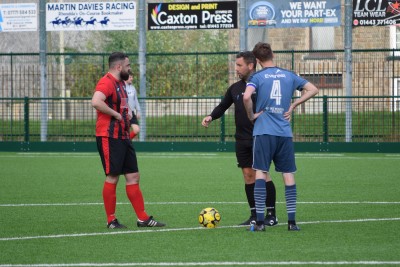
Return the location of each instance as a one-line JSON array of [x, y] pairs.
[[274, 88]]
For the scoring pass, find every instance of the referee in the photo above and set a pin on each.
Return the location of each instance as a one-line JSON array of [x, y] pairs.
[[245, 65]]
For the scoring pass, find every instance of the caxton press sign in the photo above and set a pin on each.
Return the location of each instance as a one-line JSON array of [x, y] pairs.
[[192, 15]]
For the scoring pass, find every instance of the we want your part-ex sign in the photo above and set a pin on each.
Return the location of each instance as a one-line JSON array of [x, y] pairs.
[[192, 15], [293, 13]]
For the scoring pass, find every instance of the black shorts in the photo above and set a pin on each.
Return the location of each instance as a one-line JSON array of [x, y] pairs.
[[117, 155], [134, 119], [244, 153]]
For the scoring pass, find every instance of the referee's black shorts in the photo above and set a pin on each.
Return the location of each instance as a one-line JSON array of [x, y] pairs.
[[244, 153], [117, 155]]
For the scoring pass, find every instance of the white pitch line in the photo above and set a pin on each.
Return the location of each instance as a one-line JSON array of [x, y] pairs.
[[182, 229], [347, 202], [201, 203], [96, 154], [110, 233], [78, 155], [213, 263], [346, 157], [199, 155], [353, 221]]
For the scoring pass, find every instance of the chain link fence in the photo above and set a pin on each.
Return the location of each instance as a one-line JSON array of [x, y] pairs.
[[321, 119]]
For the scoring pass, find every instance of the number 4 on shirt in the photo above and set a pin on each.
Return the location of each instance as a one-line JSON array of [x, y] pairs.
[[276, 92]]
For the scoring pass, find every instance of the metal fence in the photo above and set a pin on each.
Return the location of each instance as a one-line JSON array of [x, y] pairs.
[[182, 88], [322, 119], [375, 73]]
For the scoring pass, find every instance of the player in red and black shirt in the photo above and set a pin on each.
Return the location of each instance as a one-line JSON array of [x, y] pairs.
[[115, 148], [245, 66]]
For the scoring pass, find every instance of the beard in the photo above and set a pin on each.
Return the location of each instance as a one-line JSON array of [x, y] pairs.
[[243, 77], [124, 75]]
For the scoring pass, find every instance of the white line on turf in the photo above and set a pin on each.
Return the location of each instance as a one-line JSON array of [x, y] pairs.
[[96, 154], [149, 155], [153, 230], [201, 155], [213, 263], [93, 155], [200, 203]]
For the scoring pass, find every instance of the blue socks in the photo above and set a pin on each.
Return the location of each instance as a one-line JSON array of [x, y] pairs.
[[291, 199], [260, 195]]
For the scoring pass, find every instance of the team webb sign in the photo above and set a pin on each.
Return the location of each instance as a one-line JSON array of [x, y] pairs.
[[192, 15]]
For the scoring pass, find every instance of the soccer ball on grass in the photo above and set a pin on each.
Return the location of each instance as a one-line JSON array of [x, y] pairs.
[[209, 217]]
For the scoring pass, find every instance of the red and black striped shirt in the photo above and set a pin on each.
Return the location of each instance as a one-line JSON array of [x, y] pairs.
[[117, 99]]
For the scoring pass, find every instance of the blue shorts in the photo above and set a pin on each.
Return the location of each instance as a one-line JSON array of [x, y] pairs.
[[277, 149]]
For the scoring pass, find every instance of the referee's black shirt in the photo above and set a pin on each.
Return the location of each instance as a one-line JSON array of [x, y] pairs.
[[234, 94]]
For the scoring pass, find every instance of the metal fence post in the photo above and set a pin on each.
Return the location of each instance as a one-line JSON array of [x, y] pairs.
[[292, 53], [26, 119], [325, 118], [243, 29], [222, 135], [348, 47], [12, 76], [142, 61], [12, 94], [222, 124], [43, 71], [394, 100], [197, 73]]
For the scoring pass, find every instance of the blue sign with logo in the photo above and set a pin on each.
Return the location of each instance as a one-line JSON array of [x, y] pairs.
[[289, 14]]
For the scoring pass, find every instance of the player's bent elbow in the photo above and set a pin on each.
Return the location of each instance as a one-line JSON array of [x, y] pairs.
[[94, 104], [316, 91], [246, 98]]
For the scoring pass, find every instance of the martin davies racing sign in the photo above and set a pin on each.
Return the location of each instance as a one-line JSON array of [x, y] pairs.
[[192, 15], [376, 13]]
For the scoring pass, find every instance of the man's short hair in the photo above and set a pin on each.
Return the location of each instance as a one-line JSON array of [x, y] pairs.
[[248, 57], [263, 51], [116, 57]]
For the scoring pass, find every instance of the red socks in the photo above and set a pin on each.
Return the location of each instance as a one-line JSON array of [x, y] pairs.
[[136, 198], [110, 200], [132, 135]]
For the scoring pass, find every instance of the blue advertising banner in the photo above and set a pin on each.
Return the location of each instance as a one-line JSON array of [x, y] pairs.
[[294, 13]]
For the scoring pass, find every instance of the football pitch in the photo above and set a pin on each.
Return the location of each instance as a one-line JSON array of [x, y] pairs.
[[51, 212]]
